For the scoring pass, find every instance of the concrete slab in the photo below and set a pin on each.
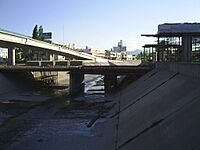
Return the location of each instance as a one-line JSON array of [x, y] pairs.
[[179, 131], [143, 86], [155, 107]]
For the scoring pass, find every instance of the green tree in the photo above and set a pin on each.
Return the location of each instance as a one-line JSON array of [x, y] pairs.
[[35, 32], [40, 33], [140, 56]]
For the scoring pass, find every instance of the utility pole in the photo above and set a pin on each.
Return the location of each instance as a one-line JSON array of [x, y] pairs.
[[63, 35]]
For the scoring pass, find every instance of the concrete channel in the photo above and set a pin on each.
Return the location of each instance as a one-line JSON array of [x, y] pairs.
[[158, 111]]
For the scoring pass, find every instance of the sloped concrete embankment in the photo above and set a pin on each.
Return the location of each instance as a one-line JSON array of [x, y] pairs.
[[159, 111], [19, 86]]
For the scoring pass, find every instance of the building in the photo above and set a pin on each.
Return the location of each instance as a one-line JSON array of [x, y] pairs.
[[98, 52], [117, 53], [120, 47], [130, 57], [94, 51], [3, 53], [86, 50], [176, 42]]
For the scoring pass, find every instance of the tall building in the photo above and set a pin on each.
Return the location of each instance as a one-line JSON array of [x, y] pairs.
[[120, 47]]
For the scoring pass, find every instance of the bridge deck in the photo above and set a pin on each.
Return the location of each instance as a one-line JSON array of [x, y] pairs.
[[10, 39], [118, 70]]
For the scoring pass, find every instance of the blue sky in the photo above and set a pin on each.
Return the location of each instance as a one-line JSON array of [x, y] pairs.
[[96, 23]]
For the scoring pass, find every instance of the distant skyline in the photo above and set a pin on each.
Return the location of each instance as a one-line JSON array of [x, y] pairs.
[[96, 23]]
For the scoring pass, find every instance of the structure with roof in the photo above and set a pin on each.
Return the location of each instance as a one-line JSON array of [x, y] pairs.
[[176, 42]]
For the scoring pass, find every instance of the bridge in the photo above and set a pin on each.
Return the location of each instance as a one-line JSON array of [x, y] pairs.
[[117, 70], [78, 71], [11, 40]]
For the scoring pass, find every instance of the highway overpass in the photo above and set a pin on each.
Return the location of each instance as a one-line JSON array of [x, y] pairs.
[[9, 39]]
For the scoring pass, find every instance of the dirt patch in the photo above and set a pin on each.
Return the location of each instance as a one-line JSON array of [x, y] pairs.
[[11, 125], [13, 107], [83, 110]]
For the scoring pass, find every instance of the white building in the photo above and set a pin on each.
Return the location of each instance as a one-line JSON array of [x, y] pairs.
[[130, 57], [98, 52], [116, 55], [3, 53]]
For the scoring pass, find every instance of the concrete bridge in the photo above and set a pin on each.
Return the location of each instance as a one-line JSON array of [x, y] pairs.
[[12, 40], [77, 72]]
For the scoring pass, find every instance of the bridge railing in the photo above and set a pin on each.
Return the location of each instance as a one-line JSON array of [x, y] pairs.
[[54, 63]]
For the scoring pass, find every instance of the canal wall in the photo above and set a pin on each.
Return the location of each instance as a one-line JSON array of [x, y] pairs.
[[158, 111]]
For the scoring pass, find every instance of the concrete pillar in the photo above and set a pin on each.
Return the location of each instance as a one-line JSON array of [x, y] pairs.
[[76, 84], [52, 57], [144, 53], [186, 48], [11, 56], [158, 50], [110, 82]]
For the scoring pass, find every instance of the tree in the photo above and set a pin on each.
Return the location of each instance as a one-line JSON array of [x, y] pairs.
[[35, 32], [40, 33], [140, 56]]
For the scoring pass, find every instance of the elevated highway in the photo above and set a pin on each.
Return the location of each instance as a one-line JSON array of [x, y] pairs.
[[9, 39]]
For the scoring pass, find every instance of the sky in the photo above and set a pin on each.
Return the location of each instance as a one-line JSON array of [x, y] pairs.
[[97, 24]]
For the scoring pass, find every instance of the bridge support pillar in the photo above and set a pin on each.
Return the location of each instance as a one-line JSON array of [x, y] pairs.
[[76, 84], [11, 56], [110, 82], [187, 48]]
